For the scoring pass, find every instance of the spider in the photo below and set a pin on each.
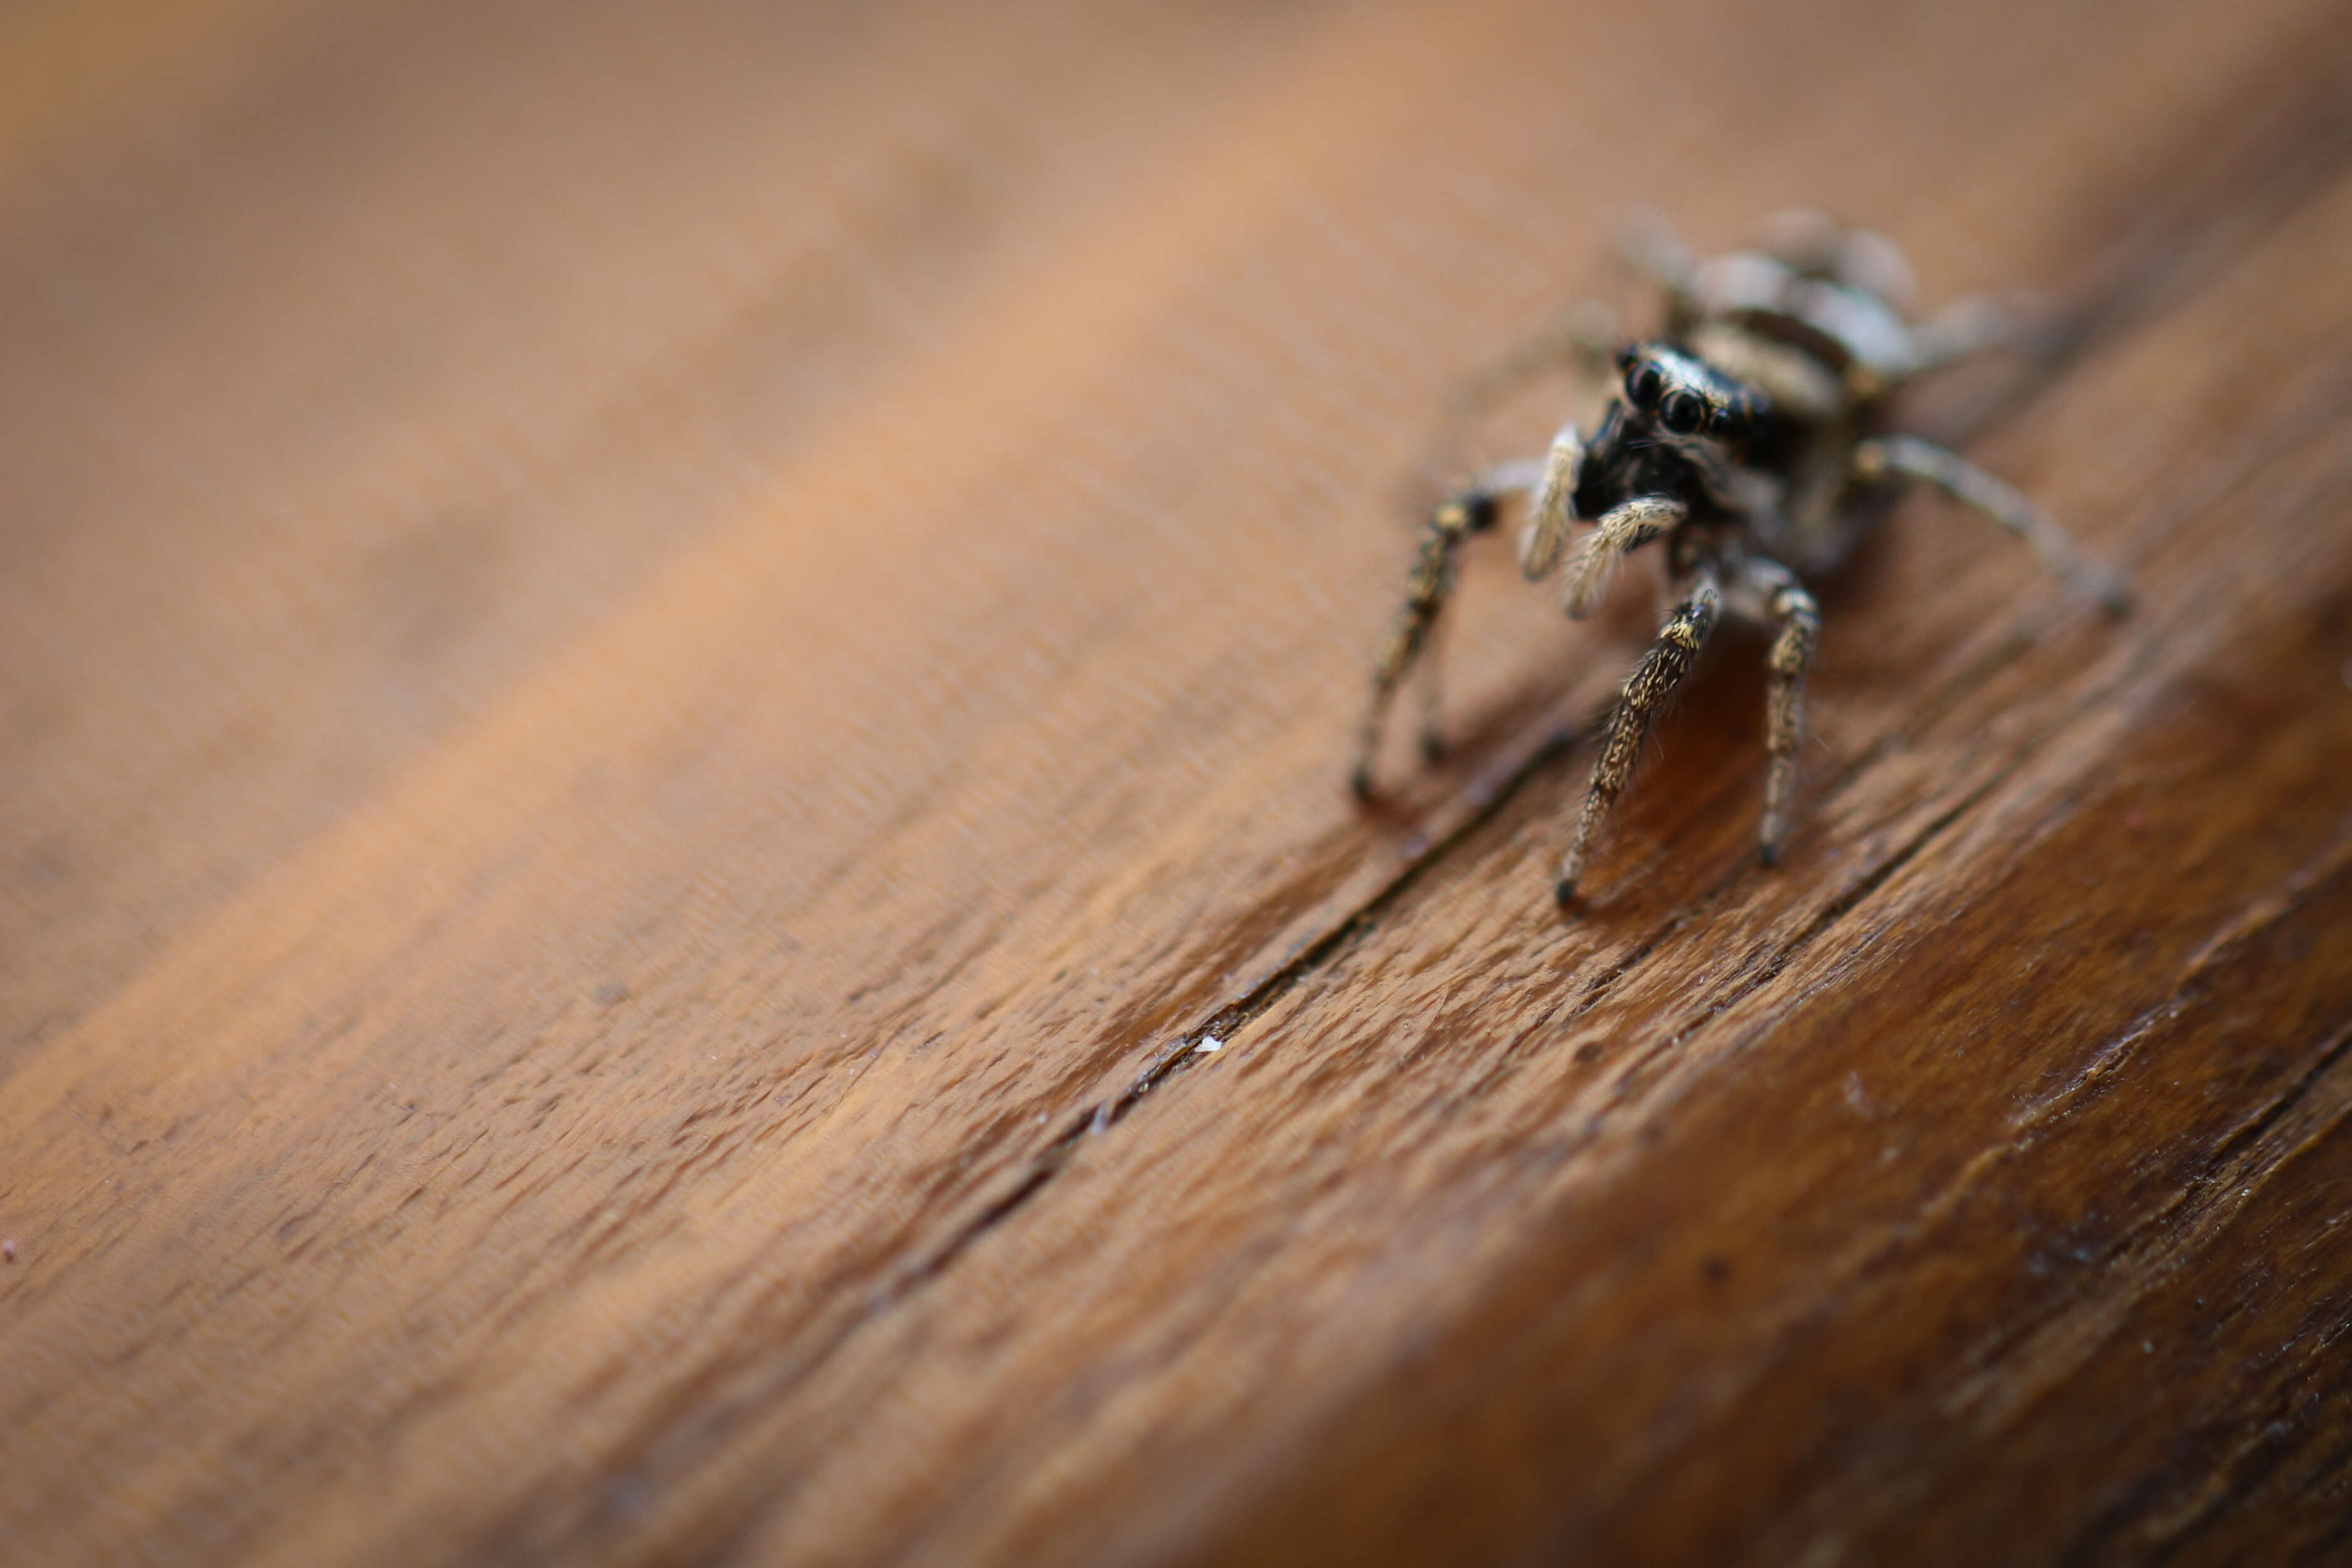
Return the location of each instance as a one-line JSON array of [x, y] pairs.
[[1748, 438]]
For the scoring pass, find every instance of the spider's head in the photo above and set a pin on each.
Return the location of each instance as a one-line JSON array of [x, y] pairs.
[[1686, 399]]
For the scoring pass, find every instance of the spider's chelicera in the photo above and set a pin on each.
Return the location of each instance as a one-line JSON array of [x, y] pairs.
[[1745, 437]]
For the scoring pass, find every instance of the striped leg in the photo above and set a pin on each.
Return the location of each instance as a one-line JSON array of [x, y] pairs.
[[1425, 595], [1654, 681], [1772, 592]]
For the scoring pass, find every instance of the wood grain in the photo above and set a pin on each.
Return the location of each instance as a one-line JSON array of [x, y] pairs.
[[662, 668]]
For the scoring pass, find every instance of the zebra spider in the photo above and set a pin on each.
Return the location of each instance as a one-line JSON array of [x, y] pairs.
[[1748, 438]]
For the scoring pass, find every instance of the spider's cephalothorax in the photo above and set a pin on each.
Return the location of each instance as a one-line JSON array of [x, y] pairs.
[[1744, 437]]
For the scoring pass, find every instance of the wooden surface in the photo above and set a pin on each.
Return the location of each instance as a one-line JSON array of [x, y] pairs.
[[660, 665]]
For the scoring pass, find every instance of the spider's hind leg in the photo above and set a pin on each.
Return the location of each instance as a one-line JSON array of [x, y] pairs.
[[1964, 481], [1654, 681]]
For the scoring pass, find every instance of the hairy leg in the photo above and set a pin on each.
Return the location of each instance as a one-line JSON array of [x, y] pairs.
[[1433, 696], [1472, 512], [1770, 592], [1964, 481], [1653, 681]]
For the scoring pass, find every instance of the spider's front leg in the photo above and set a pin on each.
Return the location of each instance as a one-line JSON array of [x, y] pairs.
[[1552, 481], [1653, 681], [1472, 512], [1962, 480]]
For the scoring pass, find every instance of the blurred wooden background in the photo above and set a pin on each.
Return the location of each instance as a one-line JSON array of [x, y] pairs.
[[655, 657]]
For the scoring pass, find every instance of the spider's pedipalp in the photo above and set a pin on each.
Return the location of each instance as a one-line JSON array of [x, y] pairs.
[[1647, 690], [1554, 504], [1621, 529]]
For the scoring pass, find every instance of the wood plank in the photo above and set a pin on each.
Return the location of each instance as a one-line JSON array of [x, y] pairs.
[[642, 686], [1866, 1213]]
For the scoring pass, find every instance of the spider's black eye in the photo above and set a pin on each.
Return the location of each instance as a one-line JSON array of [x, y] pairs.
[[1627, 357], [1641, 386], [1728, 423], [1683, 413]]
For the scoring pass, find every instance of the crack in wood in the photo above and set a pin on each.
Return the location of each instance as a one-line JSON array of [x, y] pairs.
[[2157, 267], [2249, 923], [2298, 155], [2020, 1364]]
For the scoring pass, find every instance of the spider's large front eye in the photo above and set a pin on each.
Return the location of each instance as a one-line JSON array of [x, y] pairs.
[[1641, 386], [1683, 413]]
